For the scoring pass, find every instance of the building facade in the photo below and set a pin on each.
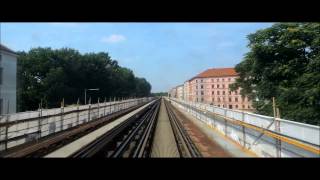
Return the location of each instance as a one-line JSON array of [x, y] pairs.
[[186, 89], [173, 93], [212, 87], [180, 92], [8, 80]]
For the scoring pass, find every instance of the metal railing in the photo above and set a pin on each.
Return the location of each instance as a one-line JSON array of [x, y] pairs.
[[258, 132], [19, 128]]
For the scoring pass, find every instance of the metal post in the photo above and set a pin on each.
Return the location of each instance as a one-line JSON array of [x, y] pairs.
[[89, 110], [40, 118], [85, 96], [78, 111], [277, 125], [98, 107], [104, 108], [275, 115], [110, 106], [114, 104], [7, 127], [243, 132], [225, 122], [61, 116]]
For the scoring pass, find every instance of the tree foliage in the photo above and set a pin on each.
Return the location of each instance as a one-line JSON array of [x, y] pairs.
[[283, 62], [159, 94], [49, 75]]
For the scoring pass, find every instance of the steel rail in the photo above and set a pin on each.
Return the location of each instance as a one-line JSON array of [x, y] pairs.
[[102, 142], [145, 119], [186, 146], [47, 142], [144, 145]]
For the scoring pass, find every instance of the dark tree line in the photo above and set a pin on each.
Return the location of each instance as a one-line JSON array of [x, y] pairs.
[[159, 94], [284, 62], [49, 75]]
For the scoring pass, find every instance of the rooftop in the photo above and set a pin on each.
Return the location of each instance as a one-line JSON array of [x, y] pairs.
[[4, 48], [216, 72]]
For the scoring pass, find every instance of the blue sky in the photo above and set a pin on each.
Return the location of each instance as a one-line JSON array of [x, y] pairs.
[[166, 54]]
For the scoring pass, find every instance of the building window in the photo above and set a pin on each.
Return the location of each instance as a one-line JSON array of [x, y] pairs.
[[223, 105], [212, 86], [212, 92], [218, 86], [229, 79], [196, 81], [212, 99], [223, 93], [229, 92], [218, 105], [236, 106], [201, 92], [197, 99], [211, 80], [201, 86], [236, 99], [201, 99], [201, 80], [236, 92], [243, 107], [248, 106], [229, 99], [222, 85], [222, 79], [230, 106], [218, 92]]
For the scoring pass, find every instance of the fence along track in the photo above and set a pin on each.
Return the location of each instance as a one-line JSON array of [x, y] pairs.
[[131, 138], [50, 143]]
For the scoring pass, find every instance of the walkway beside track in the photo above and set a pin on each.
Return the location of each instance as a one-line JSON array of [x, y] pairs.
[[220, 142], [164, 144], [73, 147]]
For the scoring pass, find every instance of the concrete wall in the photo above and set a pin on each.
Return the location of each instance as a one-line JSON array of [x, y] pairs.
[[8, 87], [249, 138], [31, 125]]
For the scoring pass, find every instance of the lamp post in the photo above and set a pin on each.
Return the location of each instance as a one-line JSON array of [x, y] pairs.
[[85, 93]]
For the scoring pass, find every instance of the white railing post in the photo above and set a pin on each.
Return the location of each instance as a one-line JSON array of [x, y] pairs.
[[77, 112]]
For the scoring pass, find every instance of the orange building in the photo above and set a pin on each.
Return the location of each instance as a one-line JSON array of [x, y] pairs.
[[212, 87]]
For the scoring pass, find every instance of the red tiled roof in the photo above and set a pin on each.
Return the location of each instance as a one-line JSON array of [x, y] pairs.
[[216, 72]]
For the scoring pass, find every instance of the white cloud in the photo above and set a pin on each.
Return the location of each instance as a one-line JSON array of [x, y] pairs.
[[114, 38]]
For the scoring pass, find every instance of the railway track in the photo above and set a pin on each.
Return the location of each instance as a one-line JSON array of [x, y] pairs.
[[131, 138], [48, 144], [184, 143]]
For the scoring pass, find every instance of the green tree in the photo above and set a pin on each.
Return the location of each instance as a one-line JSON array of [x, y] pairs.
[[159, 94], [50, 75], [283, 62]]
